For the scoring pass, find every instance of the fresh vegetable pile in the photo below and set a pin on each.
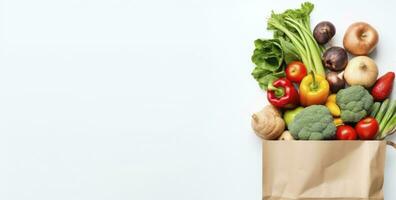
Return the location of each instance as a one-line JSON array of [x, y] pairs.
[[316, 92]]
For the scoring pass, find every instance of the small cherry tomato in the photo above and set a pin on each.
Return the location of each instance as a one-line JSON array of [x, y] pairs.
[[345, 132], [367, 128], [296, 71]]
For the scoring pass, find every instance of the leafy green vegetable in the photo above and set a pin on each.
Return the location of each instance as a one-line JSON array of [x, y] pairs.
[[293, 40], [268, 57], [290, 52], [267, 54], [293, 26]]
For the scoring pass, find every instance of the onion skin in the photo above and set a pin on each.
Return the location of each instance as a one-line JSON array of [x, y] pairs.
[[335, 59], [323, 32], [361, 70], [336, 82], [360, 39]]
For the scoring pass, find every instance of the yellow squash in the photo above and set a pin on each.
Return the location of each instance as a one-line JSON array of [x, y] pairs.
[[332, 106]]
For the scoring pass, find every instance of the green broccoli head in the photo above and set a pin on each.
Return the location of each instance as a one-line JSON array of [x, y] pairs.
[[313, 123], [354, 102]]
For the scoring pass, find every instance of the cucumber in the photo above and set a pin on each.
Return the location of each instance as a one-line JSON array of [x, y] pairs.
[[375, 108]]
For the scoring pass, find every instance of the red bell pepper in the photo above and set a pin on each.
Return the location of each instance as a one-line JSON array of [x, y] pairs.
[[383, 87], [282, 94]]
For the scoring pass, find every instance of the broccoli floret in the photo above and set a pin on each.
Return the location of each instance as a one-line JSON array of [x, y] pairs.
[[354, 102], [313, 123]]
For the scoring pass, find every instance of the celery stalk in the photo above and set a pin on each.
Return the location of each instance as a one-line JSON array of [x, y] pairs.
[[295, 26]]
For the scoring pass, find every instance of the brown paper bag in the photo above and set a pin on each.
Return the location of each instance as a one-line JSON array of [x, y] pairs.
[[323, 170]]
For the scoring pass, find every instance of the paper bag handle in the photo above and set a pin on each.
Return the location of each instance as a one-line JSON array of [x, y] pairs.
[[390, 143]]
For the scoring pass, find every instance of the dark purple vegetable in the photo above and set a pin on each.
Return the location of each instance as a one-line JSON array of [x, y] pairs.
[[323, 32], [336, 81], [335, 59]]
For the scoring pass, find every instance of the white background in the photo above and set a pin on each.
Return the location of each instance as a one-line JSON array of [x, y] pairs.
[[143, 100]]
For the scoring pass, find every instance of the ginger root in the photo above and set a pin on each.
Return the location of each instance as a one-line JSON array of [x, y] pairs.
[[268, 123]]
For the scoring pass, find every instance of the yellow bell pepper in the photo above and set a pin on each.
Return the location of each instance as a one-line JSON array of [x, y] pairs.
[[332, 106], [314, 89]]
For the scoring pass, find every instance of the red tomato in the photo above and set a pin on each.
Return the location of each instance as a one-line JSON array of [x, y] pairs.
[[367, 128], [346, 132], [296, 71]]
